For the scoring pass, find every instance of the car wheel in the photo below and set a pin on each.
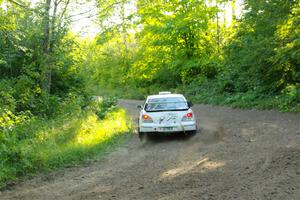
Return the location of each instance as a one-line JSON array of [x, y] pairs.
[[142, 136], [191, 133]]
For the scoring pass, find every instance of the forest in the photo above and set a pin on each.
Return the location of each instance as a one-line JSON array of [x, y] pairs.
[[205, 49], [239, 53]]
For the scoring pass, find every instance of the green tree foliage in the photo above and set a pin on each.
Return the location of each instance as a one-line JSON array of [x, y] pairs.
[[191, 46], [34, 78], [164, 44], [252, 51], [175, 42], [47, 116], [36, 84], [286, 58]]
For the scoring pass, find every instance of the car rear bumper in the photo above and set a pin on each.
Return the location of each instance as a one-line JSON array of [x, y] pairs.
[[186, 126]]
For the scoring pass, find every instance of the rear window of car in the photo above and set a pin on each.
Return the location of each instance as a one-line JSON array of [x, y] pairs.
[[166, 104]]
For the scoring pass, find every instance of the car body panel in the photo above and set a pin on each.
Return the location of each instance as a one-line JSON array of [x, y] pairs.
[[167, 120]]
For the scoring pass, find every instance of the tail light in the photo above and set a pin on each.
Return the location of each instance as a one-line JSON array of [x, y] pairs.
[[147, 118], [188, 117]]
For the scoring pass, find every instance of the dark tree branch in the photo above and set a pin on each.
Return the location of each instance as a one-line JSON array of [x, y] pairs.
[[25, 7]]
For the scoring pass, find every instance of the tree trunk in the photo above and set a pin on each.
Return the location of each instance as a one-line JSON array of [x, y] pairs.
[[218, 28], [46, 26], [46, 70], [53, 27], [124, 30], [233, 18]]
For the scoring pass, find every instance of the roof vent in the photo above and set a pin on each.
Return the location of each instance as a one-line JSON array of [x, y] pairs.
[[163, 93]]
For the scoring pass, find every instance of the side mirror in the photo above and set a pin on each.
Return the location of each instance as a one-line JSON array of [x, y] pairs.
[[140, 107], [190, 104]]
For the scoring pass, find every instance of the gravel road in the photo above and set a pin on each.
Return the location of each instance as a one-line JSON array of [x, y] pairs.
[[236, 154]]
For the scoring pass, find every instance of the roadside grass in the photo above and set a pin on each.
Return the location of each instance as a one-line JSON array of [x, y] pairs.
[[61, 142]]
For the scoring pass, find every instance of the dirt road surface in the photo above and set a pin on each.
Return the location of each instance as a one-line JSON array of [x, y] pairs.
[[237, 154]]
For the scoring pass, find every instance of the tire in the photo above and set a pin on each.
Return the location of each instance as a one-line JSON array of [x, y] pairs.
[[142, 136], [190, 133]]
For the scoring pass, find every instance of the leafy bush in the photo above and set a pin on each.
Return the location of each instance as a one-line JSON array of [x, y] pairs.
[[104, 105], [7, 100], [37, 144]]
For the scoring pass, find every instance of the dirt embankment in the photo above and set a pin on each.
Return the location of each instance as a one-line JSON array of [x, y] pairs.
[[246, 155]]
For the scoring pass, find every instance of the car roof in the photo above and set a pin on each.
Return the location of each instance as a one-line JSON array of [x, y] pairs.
[[164, 96]]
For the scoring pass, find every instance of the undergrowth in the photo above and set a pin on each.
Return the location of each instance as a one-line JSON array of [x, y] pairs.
[[33, 144], [286, 101]]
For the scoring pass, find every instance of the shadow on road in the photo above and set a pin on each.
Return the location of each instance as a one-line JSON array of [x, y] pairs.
[[158, 138]]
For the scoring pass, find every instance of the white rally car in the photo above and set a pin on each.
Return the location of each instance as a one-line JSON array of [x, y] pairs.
[[166, 113]]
